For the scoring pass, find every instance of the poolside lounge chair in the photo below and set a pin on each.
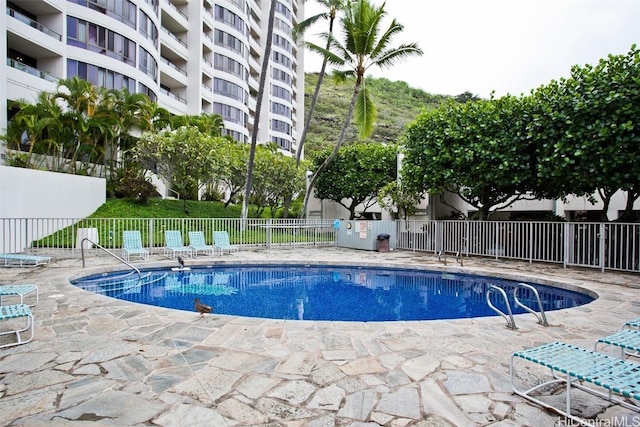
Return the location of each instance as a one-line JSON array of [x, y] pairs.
[[9, 313], [627, 340], [596, 373], [173, 244], [198, 243], [18, 291], [23, 260], [632, 324], [132, 245], [221, 241]]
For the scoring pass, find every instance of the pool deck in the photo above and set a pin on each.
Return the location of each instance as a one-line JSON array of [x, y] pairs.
[[99, 361]]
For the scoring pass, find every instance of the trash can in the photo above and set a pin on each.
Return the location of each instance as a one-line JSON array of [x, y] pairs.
[[383, 242]]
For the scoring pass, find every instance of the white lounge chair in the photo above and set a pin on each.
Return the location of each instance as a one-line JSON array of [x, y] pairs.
[[198, 244], [18, 291], [611, 378], [132, 245], [173, 245], [221, 241], [9, 313], [23, 260]]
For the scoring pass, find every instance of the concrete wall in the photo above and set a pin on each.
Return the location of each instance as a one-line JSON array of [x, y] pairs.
[[29, 193]]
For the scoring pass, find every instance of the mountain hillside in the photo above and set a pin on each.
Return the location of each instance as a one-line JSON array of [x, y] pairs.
[[397, 103]]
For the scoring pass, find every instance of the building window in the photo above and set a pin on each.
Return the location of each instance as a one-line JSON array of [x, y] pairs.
[[229, 113], [228, 89], [148, 64], [281, 75], [230, 66], [100, 76], [283, 143], [96, 38], [284, 10], [230, 18], [282, 59], [280, 41], [148, 29], [280, 92], [280, 109], [122, 10], [280, 126], [230, 42]]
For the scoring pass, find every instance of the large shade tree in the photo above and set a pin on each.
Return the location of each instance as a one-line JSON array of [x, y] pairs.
[[478, 150], [359, 171], [591, 138], [185, 158], [364, 45]]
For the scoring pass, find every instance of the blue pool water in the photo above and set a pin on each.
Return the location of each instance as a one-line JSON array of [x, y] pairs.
[[323, 292]]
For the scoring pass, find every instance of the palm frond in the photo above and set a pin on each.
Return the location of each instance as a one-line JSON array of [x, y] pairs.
[[392, 56], [365, 113]]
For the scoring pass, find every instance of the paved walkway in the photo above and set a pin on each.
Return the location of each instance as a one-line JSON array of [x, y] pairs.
[[100, 361]]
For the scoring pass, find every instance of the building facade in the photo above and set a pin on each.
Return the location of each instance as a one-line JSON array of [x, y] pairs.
[[188, 56]]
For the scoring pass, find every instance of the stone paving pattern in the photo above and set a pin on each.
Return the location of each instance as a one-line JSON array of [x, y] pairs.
[[99, 361]]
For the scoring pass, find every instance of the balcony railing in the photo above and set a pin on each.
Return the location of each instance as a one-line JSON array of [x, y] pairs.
[[35, 24], [172, 65], [31, 70], [173, 36], [173, 95], [174, 7]]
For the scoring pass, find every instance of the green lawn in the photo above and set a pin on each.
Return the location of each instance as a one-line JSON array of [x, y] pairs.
[[165, 208]]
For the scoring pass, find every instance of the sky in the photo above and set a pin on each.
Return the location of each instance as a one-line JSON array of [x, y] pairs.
[[500, 46]]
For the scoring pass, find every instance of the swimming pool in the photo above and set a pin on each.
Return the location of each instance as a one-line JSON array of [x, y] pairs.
[[323, 292]]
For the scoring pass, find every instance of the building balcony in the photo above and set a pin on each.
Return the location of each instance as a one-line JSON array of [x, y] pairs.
[[44, 75], [34, 24]]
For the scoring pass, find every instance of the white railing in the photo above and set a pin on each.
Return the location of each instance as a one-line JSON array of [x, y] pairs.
[[606, 246], [63, 237]]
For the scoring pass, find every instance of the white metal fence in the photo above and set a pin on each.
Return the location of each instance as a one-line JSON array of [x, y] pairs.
[[63, 237], [606, 246]]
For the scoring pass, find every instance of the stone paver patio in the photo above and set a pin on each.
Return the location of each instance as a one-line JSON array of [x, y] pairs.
[[99, 361]]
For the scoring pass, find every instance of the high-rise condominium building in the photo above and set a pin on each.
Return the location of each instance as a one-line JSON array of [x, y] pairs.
[[189, 56]]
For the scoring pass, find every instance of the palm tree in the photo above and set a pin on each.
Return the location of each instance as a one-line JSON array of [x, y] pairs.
[[38, 126], [333, 6], [84, 116], [362, 48], [130, 113], [256, 121]]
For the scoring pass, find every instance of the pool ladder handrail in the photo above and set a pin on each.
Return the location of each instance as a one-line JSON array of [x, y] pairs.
[[542, 318], [511, 323], [110, 253], [442, 256]]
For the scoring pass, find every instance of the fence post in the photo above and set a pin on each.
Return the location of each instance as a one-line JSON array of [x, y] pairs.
[[602, 245], [151, 228], [565, 245], [531, 242]]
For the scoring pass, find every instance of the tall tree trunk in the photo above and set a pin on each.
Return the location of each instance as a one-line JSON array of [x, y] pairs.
[[312, 106], [256, 121], [314, 99], [333, 154]]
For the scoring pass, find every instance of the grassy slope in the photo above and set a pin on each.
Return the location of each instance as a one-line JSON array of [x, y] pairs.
[[158, 208]]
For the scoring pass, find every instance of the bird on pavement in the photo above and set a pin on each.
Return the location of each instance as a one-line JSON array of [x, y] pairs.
[[180, 262], [202, 308]]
